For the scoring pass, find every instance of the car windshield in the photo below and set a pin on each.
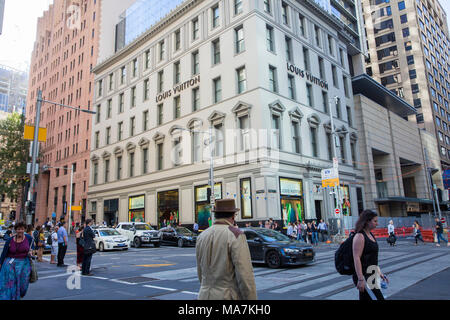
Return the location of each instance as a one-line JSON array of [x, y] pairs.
[[105, 233], [143, 227], [272, 235], [184, 231]]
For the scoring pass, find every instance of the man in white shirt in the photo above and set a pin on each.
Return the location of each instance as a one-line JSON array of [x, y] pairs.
[[323, 230]]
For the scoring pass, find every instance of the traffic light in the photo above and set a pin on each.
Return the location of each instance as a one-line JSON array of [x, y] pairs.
[[32, 207], [208, 193]]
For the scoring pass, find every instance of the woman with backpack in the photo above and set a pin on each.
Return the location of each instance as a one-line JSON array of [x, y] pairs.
[[417, 232], [365, 256]]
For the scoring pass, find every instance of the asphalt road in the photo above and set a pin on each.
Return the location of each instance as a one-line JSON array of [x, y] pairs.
[[169, 273]]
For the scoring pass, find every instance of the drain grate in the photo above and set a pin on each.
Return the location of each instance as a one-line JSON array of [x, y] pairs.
[[138, 279]]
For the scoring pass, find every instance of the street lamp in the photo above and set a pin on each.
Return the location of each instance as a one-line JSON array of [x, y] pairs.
[[35, 145], [211, 164], [336, 164]]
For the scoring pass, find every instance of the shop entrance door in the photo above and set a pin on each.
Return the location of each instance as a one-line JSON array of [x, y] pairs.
[[168, 208], [318, 205]]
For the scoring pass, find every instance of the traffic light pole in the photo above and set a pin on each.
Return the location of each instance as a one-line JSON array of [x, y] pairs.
[[34, 158], [337, 191], [33, 172]]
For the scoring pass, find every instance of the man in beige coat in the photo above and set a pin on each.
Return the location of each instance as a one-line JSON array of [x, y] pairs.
[[223, 258]]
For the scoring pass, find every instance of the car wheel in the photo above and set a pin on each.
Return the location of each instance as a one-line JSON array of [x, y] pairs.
[[157, 244], [137, 242], [273, 259], [101, 247], [180, 243]]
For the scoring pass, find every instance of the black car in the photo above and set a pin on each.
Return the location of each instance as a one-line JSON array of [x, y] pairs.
[[180, 236], [276, 249]]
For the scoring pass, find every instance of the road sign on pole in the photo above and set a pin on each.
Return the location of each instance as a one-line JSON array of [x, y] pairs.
[[330, 177], [337, 211]]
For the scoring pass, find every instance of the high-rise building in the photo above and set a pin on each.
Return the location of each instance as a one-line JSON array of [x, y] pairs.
[[253, 71], [409, 46], [65, 51], [13, 91]]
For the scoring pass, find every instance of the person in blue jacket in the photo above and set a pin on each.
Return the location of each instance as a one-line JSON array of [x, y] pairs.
[[15, 265]]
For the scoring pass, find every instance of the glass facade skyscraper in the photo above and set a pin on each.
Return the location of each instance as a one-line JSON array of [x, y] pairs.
[[140, 17]]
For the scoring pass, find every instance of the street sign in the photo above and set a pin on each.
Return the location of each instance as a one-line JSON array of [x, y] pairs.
[[36, 171], [330, 177], [76, 208], [337, 211], [443, 220], [28, 133]]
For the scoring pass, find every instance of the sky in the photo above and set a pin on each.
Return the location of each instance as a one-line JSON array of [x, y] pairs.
[[19, 30]]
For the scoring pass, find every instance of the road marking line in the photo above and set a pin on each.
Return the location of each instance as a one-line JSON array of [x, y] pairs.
[[101, 278], [123, 282], [194, 293], [155, 265], [155, 287]]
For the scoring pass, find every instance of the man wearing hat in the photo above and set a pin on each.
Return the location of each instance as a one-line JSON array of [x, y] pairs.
[[224, 266]]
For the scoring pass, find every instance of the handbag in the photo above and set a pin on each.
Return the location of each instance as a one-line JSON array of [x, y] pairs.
[[33, 273]]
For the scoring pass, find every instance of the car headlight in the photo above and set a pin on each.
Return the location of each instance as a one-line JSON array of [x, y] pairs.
[[290, 251], [109, 240]]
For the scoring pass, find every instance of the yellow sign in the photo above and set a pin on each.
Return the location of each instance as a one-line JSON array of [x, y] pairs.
[[76, 208], [2, 222], [330, 183], [28, 133]]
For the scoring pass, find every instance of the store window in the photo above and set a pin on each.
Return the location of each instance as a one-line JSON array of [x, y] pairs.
[[292, 202], [202, 204], [168, 207], [246, 198], [136, 209]]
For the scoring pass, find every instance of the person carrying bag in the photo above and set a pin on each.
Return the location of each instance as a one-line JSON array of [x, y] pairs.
[[88, 248]]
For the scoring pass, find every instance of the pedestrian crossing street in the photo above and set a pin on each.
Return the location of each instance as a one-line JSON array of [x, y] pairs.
[[404, 265], [321, 281]]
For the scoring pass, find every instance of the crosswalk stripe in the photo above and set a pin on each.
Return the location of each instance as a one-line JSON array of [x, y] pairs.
[[328, 277], [347, 282], [402, 279]]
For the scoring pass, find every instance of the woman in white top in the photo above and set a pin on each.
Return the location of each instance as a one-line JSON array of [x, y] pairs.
[[391, 232], [54, 252]]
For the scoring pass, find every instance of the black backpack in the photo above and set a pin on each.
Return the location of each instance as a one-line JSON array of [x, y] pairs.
[[49, 239], [343, 258]]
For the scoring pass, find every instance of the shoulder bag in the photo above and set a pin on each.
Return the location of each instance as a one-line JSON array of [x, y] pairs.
[[33, 273]]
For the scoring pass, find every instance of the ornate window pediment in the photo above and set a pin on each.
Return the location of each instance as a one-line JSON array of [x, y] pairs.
[[354, 136], [277, 107], [342, 131], [118, 151], [158, 137], [327, 126], [195, 123], [106, 155], [314, 120], [241, 109], [216, 117], [94, 158], [295, 114], [130, 146], [143, 142]]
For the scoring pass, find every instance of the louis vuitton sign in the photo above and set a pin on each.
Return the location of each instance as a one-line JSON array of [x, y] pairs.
[[177, 89], [302, 73]]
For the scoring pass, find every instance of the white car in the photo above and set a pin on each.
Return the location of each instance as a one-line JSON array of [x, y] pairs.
[[139, 232], [110, 239]]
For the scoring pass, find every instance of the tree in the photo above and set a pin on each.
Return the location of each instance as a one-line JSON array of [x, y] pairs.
[[13, 156]]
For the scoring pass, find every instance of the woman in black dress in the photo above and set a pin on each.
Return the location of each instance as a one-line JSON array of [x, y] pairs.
[[365, 257]]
